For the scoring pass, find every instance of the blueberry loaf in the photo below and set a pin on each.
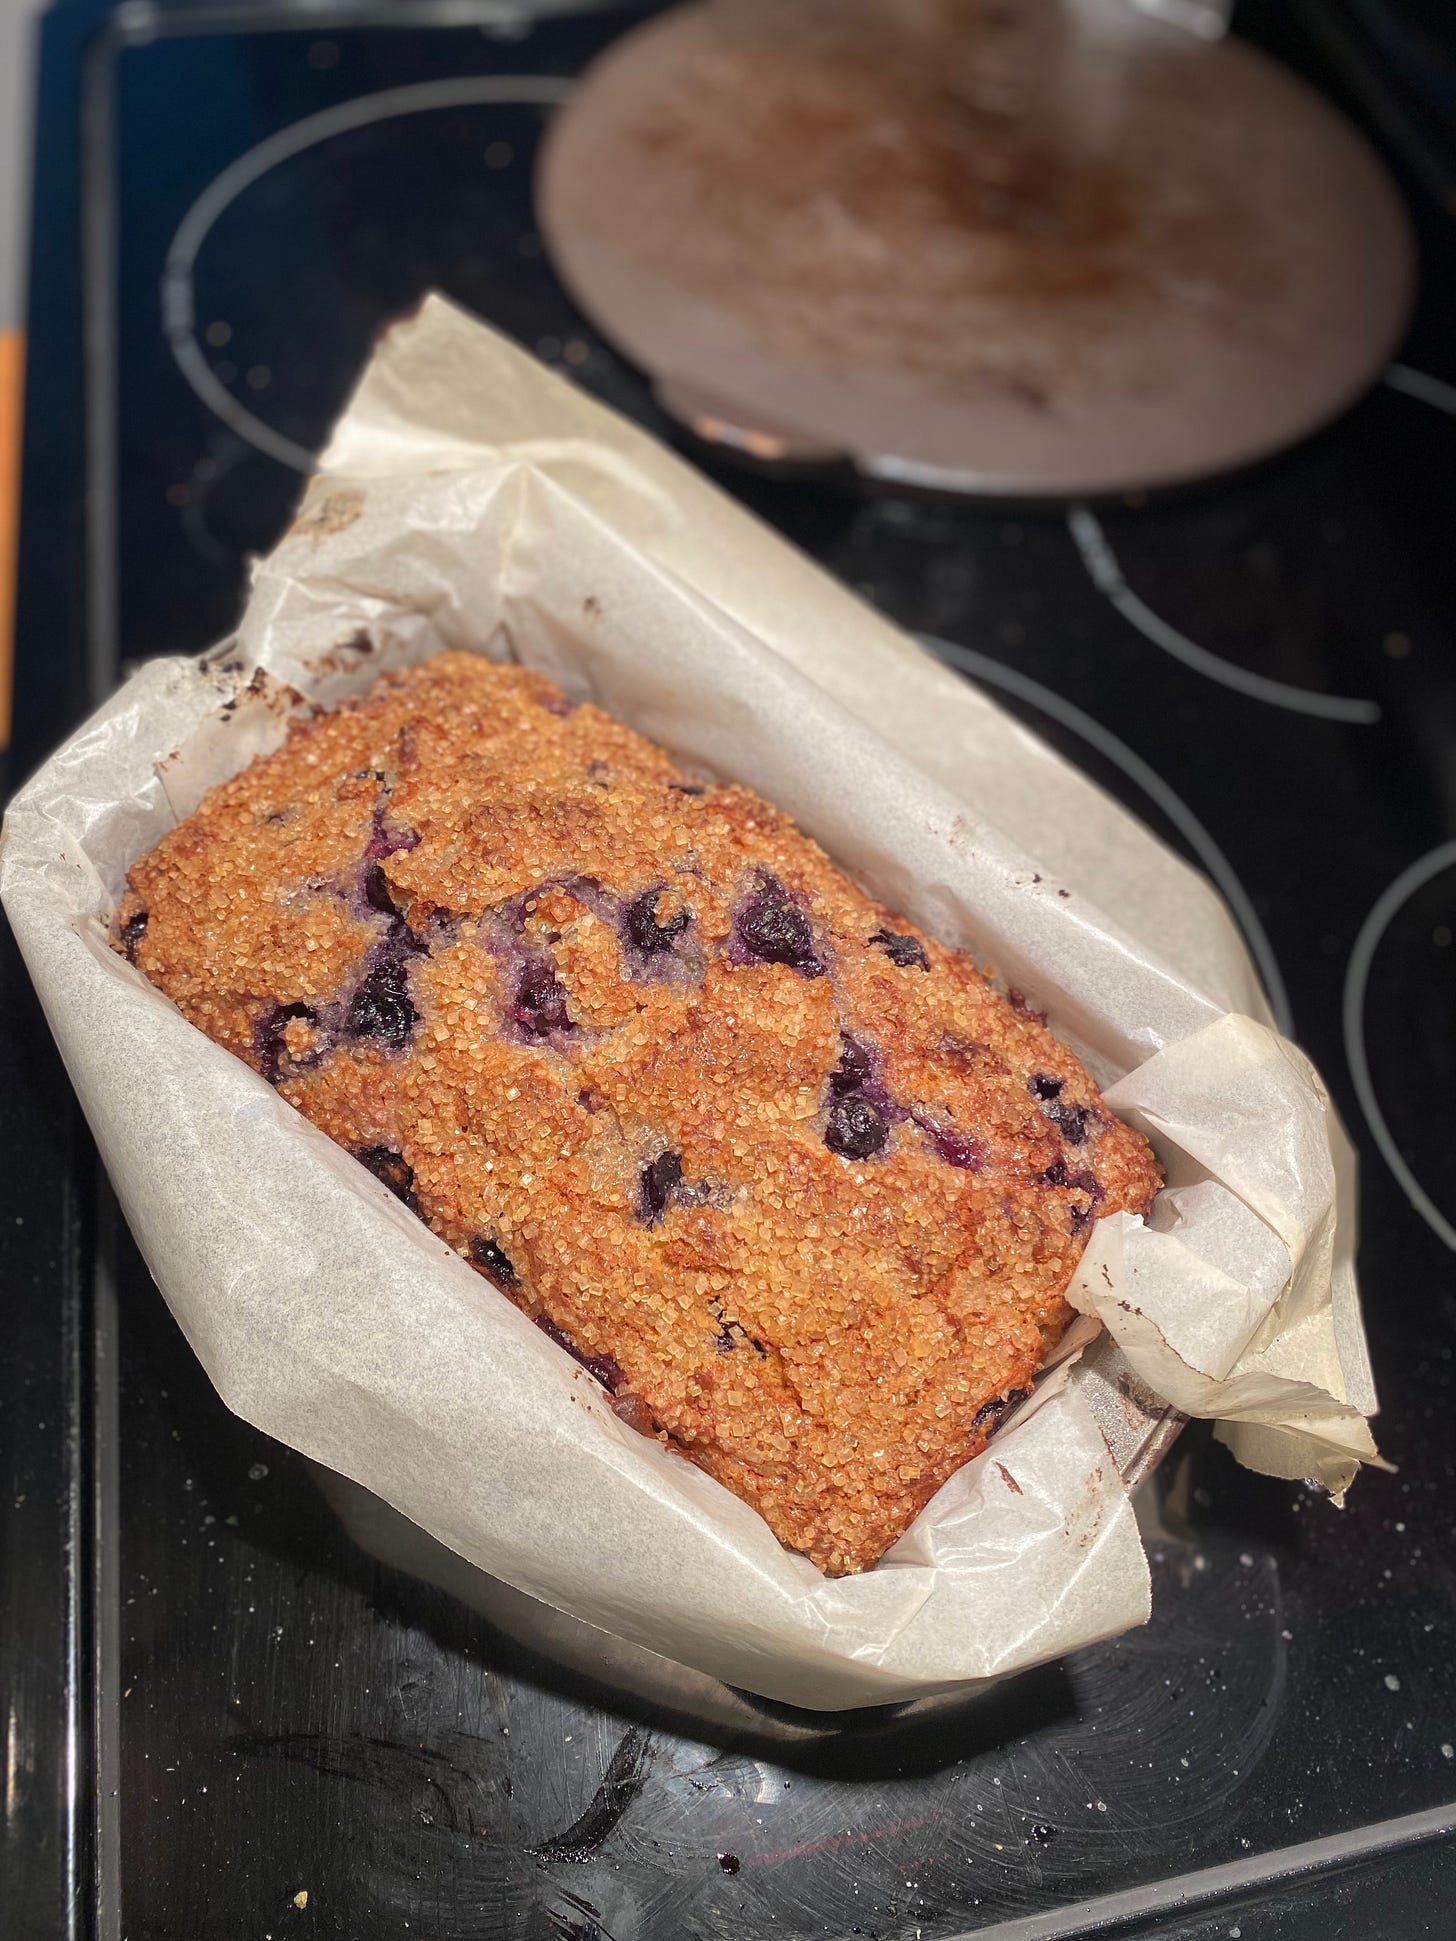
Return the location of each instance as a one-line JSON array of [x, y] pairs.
[[790, 1179]]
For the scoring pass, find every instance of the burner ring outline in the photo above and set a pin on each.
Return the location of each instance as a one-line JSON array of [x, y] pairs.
[[1411, 383], [1383, 911], [1107, 576], [178, 308], [1217, 866]]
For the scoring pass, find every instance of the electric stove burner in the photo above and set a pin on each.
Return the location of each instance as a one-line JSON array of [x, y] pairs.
[[1261, 671], [320, 202], [1050, 249]]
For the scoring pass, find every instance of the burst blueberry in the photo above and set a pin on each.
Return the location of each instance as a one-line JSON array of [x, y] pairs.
[[487, 1254], [772, 928], [856, 1067], [269, 1040], [651, 933], [132, 932], [1072, 1121], [955, 1147], [540, 1001], [659, 1181], [1083, 1216], [992, 1411], [380, 1007], [855, 1129], [377, 893], [391, 1169], [606, 1369], [384, 841], [907, 952]]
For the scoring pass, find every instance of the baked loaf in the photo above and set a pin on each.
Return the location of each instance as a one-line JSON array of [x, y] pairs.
[[789, 1178]]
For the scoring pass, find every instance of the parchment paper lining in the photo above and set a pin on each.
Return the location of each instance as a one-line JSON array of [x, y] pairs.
[[471, 499]]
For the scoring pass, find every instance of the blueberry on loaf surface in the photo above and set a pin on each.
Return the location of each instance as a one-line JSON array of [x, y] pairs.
[[790, 1178]]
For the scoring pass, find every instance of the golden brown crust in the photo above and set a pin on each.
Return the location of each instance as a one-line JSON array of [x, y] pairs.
[[786, 1173]]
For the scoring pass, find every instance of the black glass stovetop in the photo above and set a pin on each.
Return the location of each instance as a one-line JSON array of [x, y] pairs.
[[240, 1701]]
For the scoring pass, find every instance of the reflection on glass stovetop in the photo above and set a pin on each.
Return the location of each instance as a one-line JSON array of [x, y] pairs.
[[317, 1729]]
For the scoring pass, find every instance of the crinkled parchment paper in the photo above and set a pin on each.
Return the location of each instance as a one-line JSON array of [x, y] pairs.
[[470, 499]]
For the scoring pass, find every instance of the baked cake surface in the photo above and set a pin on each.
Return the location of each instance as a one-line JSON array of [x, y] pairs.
[[791, 1179]]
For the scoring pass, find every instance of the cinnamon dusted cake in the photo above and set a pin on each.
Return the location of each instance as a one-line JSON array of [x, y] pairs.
[[793, 1182]]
